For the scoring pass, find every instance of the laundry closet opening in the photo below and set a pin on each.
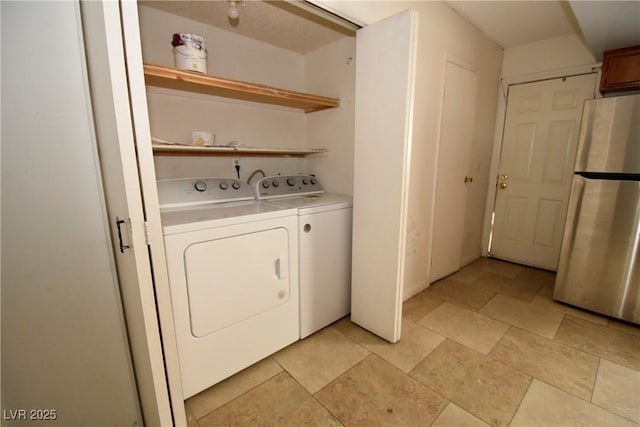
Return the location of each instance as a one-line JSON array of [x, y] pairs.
[[276, 101]]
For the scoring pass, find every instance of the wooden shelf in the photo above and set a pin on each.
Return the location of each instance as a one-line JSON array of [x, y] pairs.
[[185, 150], [192, 81]]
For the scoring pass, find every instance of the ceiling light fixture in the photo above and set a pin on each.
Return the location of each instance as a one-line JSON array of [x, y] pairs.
[[233, 10]]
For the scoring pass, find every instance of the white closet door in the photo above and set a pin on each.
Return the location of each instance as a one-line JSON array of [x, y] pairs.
[[454, 170], [114, 130], [385, 72]]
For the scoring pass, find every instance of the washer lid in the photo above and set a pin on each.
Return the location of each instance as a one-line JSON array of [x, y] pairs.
[[218, 215], [315, 203]]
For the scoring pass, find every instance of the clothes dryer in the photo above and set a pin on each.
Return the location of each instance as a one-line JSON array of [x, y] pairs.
[[233, 276]]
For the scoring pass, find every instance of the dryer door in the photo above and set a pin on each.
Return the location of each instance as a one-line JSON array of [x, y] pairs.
[[234, 278]]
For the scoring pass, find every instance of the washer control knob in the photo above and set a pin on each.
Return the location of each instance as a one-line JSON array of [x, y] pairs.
[[200, 186], [305, 181], [235, 185], [314, 181], [265, 184], [275, 183], [224, 185], [291, 182]]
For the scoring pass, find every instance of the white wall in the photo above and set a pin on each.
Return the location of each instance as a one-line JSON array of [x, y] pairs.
[[546, 55], [64, 343], [229, 55], [442, 33], [330, 71]]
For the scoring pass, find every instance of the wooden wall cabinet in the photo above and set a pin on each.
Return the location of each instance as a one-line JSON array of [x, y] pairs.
[[621, 70]]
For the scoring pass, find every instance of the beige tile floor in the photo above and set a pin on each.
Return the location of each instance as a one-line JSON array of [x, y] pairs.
[[484, 346]]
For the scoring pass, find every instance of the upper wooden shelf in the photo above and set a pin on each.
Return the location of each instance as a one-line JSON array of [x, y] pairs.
[[192, 81]]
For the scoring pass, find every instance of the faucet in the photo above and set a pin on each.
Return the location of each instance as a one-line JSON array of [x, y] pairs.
[[254, 173]]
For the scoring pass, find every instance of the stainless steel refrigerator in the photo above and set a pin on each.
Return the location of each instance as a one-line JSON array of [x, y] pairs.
[[599, 266]]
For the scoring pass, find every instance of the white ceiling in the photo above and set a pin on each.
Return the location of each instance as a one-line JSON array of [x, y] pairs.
[[275, 22], [608, 25], [512, 23], [603, 24]]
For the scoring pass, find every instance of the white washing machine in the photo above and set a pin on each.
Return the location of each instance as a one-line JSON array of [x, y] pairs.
[[324, 233], [233, 276]]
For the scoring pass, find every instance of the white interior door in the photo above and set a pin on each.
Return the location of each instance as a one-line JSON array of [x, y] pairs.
[[454, 166], [114, 131], [385, 72], [536, 165]]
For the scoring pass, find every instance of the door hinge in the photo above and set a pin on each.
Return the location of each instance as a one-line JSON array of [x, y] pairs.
[[147, 233]]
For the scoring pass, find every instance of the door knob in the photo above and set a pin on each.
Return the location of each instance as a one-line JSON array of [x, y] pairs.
[[468, 179], [504, 177], [503, 185]]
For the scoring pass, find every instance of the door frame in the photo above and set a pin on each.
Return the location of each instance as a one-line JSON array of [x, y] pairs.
[[163, 310], [501, 115], [103, 37]]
